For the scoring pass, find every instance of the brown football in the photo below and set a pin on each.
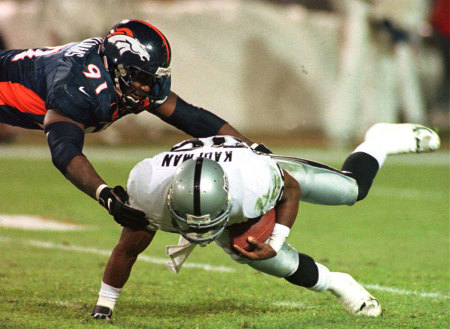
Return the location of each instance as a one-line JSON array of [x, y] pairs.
[[260, 228]]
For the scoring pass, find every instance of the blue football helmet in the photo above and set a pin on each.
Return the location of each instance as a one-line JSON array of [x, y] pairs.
[[136, 51]]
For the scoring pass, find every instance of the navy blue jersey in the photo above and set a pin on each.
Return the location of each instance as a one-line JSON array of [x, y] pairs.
[[71, 78]]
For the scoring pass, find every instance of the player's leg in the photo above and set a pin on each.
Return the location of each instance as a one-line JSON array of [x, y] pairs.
[[320, 184], [302, 270], [385, 139], [118, 269], [317, 277], [324, 185]]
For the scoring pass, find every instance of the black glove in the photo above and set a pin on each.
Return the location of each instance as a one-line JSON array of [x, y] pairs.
[[261, 148], [116, 202]]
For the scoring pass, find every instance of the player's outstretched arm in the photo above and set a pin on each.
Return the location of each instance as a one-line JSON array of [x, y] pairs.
[[197, 121], [66, 138]]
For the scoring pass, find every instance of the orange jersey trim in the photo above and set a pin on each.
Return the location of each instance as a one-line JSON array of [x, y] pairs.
[[21, 98]]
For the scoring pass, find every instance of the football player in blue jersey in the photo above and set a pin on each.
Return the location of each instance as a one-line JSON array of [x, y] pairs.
[[84, 86]]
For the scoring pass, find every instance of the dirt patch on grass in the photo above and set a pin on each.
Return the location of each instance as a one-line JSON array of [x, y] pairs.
[[28, 222]]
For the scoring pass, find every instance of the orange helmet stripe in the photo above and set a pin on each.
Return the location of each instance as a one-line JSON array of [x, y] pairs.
[[122, 30]]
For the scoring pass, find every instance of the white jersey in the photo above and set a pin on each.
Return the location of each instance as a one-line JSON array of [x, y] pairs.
[[255, 180]]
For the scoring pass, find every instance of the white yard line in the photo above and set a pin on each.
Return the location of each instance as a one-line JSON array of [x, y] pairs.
[[29, 222], [148, 259], [396, 291], [208, 267]]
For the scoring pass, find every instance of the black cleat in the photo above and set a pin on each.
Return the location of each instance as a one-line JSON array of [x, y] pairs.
[[102, 313]]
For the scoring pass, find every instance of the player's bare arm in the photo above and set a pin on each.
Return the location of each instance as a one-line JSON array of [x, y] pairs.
[[66, 139], [287, 208], [124, 255], [286, 213], [228, 129]]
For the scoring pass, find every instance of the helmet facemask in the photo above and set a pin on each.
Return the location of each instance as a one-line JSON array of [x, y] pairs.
[[133, 97], [199, 229], [198, 200]]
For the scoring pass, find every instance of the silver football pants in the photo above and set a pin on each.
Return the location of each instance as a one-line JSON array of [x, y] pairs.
[[284, 264], [320, 184]]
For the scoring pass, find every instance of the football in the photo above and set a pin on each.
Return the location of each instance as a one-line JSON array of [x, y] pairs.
[[260, 228]]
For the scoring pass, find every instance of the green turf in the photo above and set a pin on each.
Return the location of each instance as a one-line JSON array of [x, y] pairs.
[[395, 241]]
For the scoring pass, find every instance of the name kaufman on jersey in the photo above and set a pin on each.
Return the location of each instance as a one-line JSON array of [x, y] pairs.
[[171, 159]]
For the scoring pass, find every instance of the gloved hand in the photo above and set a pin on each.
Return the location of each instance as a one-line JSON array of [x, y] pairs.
[[261, 148], [116, 202]]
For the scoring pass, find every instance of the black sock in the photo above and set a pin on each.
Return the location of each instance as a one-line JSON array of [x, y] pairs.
[[307, 273], [362, 167]]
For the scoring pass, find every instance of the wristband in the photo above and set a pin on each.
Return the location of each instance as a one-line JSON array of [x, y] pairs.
[[280, 229], [99, 190], [279, 234]]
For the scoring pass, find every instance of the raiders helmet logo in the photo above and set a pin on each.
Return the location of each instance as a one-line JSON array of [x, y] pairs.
[[126, 43]]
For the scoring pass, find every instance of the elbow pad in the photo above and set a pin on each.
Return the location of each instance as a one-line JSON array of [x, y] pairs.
[[65, 140], [194, 120]]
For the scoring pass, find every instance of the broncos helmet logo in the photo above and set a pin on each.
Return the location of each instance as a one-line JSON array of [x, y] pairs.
[[126, 43]]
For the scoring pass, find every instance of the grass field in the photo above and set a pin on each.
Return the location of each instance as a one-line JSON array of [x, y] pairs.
[[396, 242]]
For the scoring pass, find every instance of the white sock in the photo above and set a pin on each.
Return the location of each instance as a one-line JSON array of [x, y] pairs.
[[108, 296], [324, 279], [374, 149]]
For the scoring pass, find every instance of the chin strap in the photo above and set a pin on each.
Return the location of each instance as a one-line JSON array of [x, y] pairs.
[[178, 254]]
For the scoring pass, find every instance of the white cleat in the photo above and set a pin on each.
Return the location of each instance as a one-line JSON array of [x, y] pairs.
[[353, 297], [398, 138]]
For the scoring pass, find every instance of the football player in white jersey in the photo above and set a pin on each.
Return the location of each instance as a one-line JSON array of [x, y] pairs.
[[202, 186]]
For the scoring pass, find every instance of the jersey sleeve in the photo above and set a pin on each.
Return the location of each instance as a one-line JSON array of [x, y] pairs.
[[147, 186], [82, 98], [263, 186], [138, 186], [65, 95]]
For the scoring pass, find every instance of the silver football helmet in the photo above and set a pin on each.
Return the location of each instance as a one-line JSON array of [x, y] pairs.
[[198, 200]]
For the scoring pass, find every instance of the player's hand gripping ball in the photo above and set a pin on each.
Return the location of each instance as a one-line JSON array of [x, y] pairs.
[[260, 228]]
